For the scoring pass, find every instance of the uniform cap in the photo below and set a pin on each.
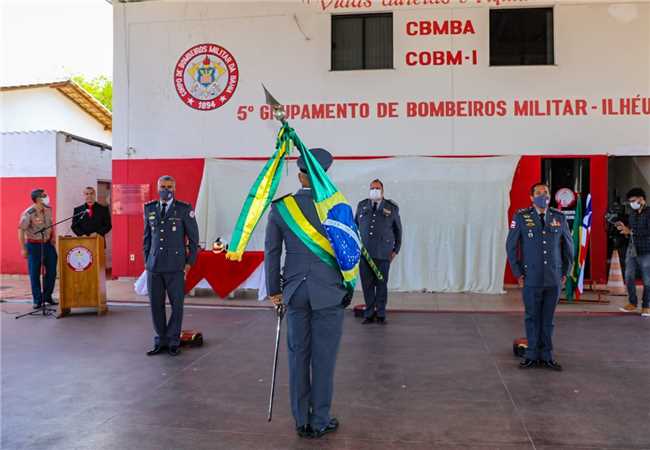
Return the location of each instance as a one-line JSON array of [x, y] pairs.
[[323, 157]]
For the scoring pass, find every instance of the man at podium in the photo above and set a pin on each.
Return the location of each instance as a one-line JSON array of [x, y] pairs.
[[96, 218]]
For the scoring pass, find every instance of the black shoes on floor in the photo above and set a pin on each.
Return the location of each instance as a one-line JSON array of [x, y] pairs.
[[380, 320], [530, 363], [329, 428], [527, 364], [156, 349], [172, 350], [306, 431], [553, 365]]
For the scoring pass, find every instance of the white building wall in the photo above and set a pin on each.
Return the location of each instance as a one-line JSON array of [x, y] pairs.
[[48, 109], [28, 154], [602, 51], [80, 165]]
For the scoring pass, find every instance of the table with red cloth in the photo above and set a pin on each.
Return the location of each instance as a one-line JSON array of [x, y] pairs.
[[224, 276]]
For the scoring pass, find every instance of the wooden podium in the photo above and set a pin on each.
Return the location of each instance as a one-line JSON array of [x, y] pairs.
[[82, 274]]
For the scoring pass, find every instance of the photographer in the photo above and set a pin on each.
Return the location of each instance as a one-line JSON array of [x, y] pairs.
[[638, 252]]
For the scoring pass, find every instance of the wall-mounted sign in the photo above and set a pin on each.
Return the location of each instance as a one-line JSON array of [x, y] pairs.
[[129, 199], [206, 76]]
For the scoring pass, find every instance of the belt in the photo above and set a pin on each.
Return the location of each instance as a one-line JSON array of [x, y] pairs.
[[36, 241]]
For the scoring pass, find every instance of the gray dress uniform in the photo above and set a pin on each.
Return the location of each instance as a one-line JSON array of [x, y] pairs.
[[313, 292], [381, 233], [170, 242], [545, 256]]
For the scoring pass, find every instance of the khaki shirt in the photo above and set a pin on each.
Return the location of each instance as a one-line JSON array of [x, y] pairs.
[[32, 221]]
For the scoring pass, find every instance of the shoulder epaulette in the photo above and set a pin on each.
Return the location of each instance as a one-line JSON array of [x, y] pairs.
[[281, 198], [152, 202], [31, 210], [556, 210], [180, 202], [392, 202], [522, 210]]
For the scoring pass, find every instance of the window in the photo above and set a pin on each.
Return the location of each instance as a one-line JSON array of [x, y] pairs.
[[521, 37], [362, 42]]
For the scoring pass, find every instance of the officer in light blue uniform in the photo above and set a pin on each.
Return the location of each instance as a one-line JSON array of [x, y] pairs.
[[542, 236], [171, 237], [380, 228], [316, 298]]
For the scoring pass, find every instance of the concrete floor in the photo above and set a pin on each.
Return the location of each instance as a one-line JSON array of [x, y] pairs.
[[436, 380]]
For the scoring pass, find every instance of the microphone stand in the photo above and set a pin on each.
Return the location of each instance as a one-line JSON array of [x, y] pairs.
[[44, 310]]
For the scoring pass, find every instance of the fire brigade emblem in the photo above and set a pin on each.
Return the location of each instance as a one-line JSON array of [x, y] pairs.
[[206, 76]]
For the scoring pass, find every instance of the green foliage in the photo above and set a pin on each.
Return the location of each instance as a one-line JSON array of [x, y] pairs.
[[100, 87]]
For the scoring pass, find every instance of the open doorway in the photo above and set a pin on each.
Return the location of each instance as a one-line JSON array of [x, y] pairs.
[[104, 198], [625, 173], [569, 178]]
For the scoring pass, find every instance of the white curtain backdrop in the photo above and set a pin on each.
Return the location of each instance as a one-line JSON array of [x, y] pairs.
[[454, 213]]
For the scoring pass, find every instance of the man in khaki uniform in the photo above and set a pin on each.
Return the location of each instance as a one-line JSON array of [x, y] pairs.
[[32, 242]]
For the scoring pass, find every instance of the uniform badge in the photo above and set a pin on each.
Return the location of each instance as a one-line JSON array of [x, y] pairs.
[[387, 212], [555, 223], [530, 234], [192, 214], [513, 224]]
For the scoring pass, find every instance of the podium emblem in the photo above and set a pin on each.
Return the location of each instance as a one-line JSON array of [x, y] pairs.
[[79, 258]]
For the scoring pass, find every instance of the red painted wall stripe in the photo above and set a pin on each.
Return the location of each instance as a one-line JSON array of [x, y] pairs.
[[127, 230], [14, 199]]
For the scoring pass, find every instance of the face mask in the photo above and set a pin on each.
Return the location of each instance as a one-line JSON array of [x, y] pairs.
[[635, 205], [542, 201], [46, 201], [165, 195], [375, 194]]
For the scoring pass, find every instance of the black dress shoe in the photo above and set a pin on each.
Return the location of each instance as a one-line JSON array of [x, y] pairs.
[[329, 428], [381, 320], [174, 350], [553, 365], [155, 350], [368, 320], [527, 364], [51, 302], [36, 305], [304, 431]]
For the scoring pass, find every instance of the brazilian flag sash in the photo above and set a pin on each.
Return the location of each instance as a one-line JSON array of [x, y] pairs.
[[314, 240], [305, 231]]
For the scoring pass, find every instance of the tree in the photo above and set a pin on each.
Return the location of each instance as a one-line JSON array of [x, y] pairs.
[[100, 87]]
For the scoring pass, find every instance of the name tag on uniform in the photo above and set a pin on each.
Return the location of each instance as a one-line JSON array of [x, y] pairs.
[[555, 223], [387, 212]]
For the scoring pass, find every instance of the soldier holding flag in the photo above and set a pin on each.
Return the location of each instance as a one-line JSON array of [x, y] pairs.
[[315, 297]]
